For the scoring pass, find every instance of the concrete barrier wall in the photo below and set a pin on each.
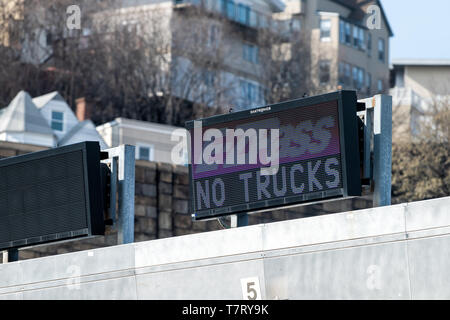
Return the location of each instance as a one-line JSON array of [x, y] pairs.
[[396, 252]]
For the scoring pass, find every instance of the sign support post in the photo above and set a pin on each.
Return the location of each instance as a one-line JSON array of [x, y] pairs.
[[13, 255], [239, 220], [378, 126], [122, 161]]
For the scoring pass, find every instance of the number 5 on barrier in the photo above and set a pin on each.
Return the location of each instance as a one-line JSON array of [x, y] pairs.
[[251, 289]]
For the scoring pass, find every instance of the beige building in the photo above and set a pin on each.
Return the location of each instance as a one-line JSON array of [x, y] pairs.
[[345, 53], [153, 141], [11, 13], [416, 85]]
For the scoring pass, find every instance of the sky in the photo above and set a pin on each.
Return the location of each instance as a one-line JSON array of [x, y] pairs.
[[421, 28]]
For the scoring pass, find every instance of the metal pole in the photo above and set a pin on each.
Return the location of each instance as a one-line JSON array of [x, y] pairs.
[[13, 255], [122, 160], [239, 220], [126, 194], [382, 150], [113, 191], [368, 134], [10, 255]]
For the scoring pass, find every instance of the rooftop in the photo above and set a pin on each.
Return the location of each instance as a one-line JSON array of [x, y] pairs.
[[22, 115], [421, 62]]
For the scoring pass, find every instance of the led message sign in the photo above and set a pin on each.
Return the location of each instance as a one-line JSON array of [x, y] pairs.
[[312, 145], [51, 195]]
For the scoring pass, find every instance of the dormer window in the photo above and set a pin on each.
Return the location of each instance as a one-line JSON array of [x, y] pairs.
[[144, 152], [57, 121]]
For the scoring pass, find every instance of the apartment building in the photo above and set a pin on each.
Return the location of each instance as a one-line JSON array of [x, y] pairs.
[[416, 85], [222, 29], [345, 53]]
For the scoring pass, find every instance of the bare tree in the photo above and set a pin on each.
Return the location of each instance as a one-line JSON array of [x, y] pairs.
[[421, 166], [147, 62]]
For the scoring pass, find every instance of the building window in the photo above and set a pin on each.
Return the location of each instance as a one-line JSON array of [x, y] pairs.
[[345, 75], [358, 77], [341, 31], [381, 50], [369, 44], [355, 37], [144, 152], [250, 53], [361, 73], [380, 86], [341, 73], [223, 6], [57, 121], [244, 14], [230, 9], [251, 93], [325, 30], [362, 43], [348, 34], [324, 71]]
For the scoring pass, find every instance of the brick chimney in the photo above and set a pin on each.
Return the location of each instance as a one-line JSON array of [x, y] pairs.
[[84, 108]]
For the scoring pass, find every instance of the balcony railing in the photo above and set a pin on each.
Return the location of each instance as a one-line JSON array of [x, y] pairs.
[[239, 13]]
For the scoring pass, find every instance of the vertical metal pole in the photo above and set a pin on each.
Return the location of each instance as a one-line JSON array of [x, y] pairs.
[[113, 191], [239, 220], [10, 255], [13, 255], [382, 150], [126, 194], [368, 134]]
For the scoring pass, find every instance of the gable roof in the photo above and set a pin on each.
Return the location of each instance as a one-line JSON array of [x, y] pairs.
[[80, 132], [421, 62], [22, 115], [41, 101]]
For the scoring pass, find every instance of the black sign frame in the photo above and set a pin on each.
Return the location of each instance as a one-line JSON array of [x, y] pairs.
[[349, 147], [92, 189]]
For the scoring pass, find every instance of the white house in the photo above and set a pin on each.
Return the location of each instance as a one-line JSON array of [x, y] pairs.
[[57, 113], [153, 141], [45, 121], [22, 122]]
